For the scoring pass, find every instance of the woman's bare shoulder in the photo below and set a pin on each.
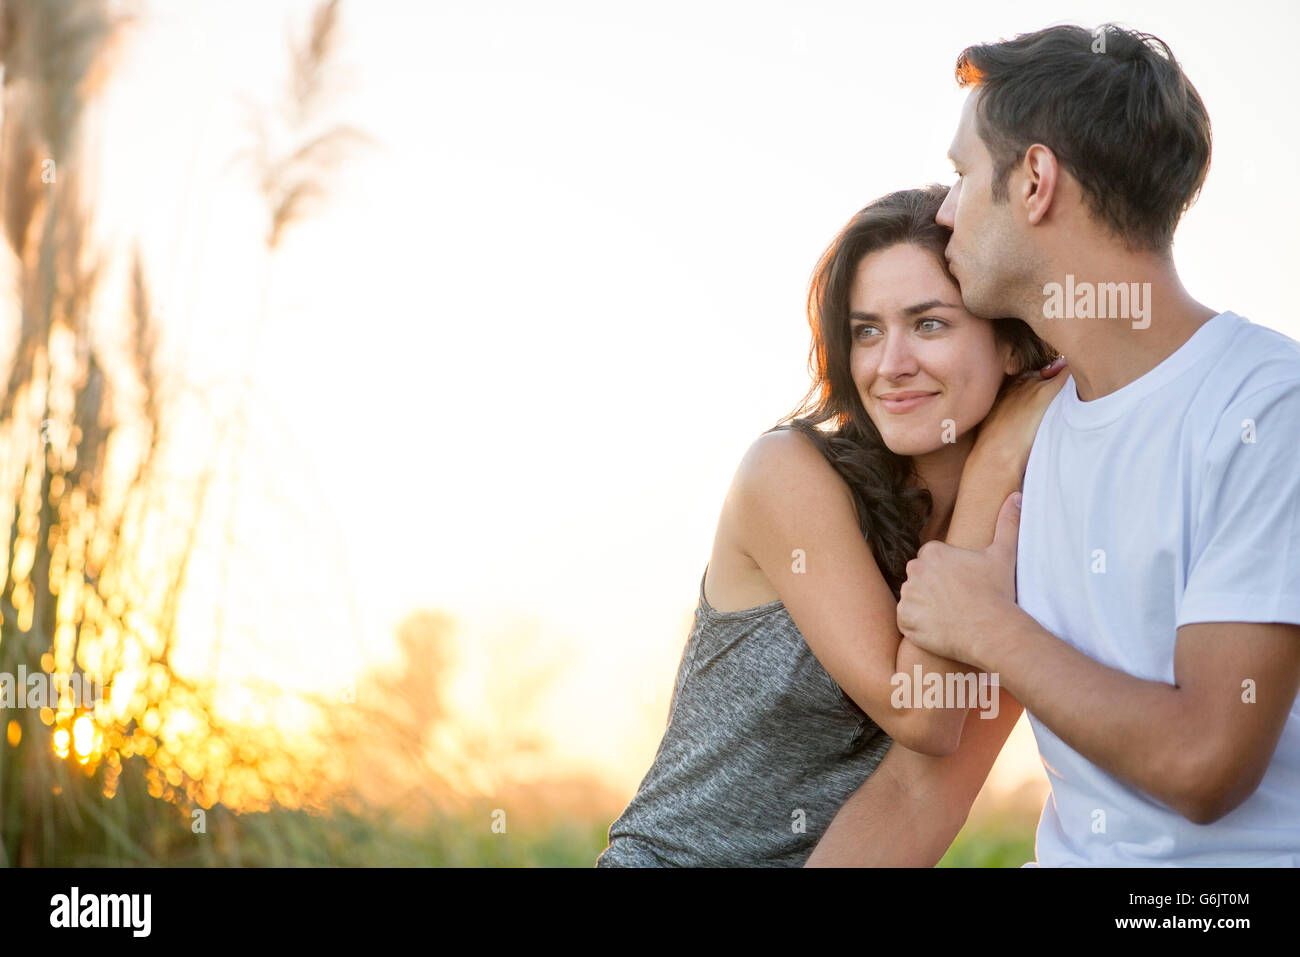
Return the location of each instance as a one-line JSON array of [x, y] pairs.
[[787, 462]]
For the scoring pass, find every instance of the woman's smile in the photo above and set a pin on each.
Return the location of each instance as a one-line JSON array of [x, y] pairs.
[[900, 402]]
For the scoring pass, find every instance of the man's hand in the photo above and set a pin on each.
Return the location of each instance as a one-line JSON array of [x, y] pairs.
[[954, 598]]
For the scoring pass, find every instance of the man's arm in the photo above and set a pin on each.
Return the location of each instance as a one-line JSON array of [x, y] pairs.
[[1200, 745], [907, 813]]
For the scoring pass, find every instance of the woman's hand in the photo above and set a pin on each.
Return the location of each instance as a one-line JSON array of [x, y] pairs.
[[1007, 434]]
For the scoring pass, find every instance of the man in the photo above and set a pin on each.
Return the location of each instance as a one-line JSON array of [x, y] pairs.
[[1156, 644]]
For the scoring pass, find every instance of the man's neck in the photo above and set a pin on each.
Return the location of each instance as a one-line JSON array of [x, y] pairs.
[[1115, 346]]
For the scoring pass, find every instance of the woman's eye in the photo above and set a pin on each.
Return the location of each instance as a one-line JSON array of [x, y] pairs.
[[866, 332], [938, 324]]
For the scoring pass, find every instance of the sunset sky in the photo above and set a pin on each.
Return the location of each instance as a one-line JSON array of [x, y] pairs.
[[514, 359]]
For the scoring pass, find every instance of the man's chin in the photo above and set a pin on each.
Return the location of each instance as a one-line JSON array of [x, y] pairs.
[[978, 303]]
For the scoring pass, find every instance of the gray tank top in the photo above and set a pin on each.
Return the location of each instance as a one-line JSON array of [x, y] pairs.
[[761, 750]]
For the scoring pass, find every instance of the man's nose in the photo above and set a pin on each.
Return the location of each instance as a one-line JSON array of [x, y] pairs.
[[944, 216]]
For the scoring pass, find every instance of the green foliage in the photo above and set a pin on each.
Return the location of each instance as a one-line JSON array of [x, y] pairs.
[[992, 843], [134, 829]]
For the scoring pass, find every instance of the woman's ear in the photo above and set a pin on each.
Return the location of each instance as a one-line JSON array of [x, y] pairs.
[[1010, 361]]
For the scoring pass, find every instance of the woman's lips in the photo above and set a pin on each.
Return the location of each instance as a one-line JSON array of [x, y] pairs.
[[905, 404]]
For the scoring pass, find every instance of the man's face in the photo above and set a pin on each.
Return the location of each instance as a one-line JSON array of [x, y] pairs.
[[984, 252]]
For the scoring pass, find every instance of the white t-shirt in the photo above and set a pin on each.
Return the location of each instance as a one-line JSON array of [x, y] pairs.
[[1175, 499]]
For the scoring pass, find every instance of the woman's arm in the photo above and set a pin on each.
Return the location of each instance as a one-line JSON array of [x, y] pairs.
[[907, 813], [994, 469], [793, 515], [988, 477]]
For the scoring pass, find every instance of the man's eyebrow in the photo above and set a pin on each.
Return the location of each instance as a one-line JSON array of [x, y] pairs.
[[917, 309]]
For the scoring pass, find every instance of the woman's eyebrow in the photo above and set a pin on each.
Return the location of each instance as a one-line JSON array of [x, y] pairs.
[[909, 311]]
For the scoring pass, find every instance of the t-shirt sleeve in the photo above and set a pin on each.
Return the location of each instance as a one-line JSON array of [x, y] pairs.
[[1245, 554]]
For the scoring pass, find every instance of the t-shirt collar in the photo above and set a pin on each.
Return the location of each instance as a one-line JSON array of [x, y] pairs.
[[1209, 340]]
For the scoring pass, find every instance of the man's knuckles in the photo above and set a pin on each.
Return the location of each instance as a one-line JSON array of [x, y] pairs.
[[929, 550]]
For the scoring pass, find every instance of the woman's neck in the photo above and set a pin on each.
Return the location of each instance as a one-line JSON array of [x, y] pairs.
[[940, 472]]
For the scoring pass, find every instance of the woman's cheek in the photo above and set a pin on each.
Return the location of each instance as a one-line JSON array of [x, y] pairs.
[[968, 406], [985, 396]]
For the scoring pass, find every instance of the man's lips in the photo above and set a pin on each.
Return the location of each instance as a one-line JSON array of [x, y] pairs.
[[904, 401]]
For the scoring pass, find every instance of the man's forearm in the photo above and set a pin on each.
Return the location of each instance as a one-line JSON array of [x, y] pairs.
[[1137, 730]]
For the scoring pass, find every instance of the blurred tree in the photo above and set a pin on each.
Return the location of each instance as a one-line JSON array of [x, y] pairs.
[[95, 564]]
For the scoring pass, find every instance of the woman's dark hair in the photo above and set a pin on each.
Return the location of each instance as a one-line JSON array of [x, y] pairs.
[[891, 509], [1114, 106]]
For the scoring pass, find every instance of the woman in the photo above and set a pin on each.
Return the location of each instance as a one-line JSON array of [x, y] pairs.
[[784, 700]]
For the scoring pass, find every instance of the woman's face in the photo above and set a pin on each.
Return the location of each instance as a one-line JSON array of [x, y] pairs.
[[927, 370]]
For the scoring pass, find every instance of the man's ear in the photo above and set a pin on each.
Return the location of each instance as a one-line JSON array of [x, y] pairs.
[[1041, 175]]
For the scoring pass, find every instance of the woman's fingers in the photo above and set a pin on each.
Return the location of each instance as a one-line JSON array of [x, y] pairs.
[[1052, 368], [1046, 372]]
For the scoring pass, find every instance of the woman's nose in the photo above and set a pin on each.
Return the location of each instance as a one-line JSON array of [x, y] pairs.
[[896, 356]]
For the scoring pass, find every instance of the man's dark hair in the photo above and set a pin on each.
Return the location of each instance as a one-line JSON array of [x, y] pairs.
[[1116, 109]]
